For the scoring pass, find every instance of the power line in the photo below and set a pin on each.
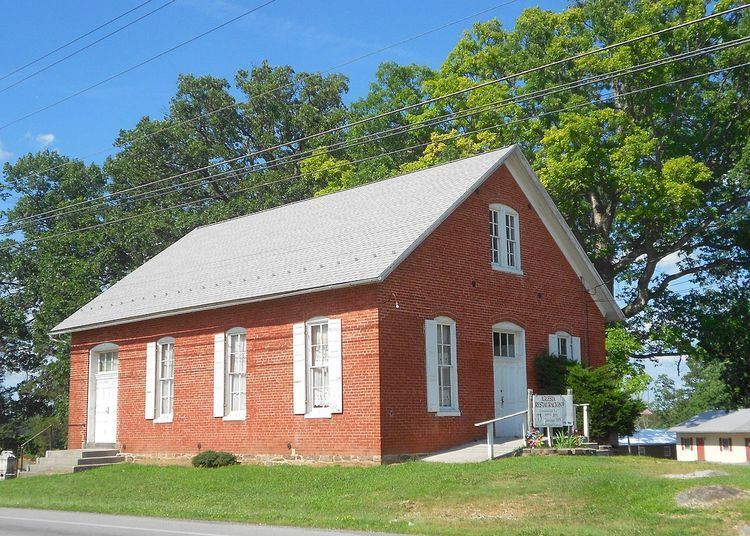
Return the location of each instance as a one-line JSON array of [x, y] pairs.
[[403, 129], [283, 86], [86, 47], [48, 54], [136, 66], [390, 132], [449, 138]]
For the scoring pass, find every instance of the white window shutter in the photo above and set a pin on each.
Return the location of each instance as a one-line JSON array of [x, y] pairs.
[[335, 366], [150, 380], [431, 364], [576, 348], [298, 369], [553, 349], [219, 351]]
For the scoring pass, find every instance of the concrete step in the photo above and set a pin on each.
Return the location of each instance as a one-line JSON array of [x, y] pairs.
[[51, 468], [101, 460], [97, 453], [74, 460], [79, 468]]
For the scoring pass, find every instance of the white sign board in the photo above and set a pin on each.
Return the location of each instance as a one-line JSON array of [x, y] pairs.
[[553, 411]]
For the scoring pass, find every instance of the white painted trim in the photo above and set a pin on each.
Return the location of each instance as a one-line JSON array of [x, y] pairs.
[[319, 413], [448, 413], [216, 305], [235, 416], [163, 419]]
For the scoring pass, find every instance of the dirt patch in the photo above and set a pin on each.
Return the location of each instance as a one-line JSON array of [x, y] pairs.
[[696, 474], [706, 496]]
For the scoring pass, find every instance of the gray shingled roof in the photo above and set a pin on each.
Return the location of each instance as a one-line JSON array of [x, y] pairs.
[[716, 421], [356, 236], [353, 236]]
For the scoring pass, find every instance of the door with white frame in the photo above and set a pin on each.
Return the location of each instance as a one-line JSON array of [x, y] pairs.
[[509, 364], [102, 418]]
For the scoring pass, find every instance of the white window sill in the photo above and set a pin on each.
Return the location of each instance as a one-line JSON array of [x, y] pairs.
[[164, 419], [318, 413], [448, 413], [506, 269], [238, 416]]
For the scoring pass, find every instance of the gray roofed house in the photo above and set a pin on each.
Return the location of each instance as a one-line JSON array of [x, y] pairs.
[[375, 323], [352, 237], [715, 435]]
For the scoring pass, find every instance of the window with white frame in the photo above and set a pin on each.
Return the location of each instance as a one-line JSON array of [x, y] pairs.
[[317, 365], [165, 378], [106, 361], [563, 344], [236, 372], [508, 341], [504, 238], [442, 366]]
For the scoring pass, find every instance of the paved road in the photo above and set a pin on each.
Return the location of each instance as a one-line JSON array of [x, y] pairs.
[[25, 522]]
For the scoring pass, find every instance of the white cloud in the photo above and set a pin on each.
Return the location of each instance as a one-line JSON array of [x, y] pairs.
[[4, 155], [45, 139]]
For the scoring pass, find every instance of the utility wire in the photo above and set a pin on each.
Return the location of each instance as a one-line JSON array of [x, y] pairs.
[[86, 47], [401, 129], [136, 66], [465, 90], [48, 54], [449, 138], [346, 63]]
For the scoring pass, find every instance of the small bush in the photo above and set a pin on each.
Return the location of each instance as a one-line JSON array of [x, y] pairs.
[[551, 373], [212, 458], [561, 440]]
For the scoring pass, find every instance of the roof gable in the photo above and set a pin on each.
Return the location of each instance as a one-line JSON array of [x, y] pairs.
[[356, 236]]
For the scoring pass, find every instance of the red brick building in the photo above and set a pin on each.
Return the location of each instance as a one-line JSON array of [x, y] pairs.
[[377, 322]]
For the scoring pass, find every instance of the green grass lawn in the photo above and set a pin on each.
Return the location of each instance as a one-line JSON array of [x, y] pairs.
[[535, 495]]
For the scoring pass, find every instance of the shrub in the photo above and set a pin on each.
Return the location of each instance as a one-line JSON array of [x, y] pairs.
[[612, 410], [561, 440], [212, 458], [551, 373]]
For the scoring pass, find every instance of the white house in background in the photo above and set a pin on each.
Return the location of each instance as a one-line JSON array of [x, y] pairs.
[[715, 436]]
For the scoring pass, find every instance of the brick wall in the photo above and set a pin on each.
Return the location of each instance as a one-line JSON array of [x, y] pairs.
[[450, 274], [270, 425], [384, 393]]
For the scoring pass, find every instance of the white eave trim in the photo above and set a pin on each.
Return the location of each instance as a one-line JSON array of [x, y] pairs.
[[210, 306]]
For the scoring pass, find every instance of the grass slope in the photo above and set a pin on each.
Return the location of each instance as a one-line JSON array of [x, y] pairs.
[[536, 495]]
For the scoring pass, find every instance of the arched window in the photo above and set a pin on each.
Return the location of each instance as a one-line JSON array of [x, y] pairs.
[[165, 379], [236, 373], [505, 239], [508, 340]]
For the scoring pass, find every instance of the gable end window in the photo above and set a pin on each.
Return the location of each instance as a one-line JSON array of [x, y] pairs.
[[317, 368], [441, 366], [505, 244]]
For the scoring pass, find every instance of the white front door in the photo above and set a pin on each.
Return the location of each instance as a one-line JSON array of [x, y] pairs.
[[510, 382], [105, 397]]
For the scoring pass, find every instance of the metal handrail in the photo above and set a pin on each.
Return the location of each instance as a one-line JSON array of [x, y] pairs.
[[483, 423], [491, 430], [32, 438]]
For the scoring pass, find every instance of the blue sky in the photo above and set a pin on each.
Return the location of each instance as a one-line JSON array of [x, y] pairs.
[[309, 35]]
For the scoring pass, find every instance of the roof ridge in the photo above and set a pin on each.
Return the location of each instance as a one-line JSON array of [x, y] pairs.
[[352, 188]]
